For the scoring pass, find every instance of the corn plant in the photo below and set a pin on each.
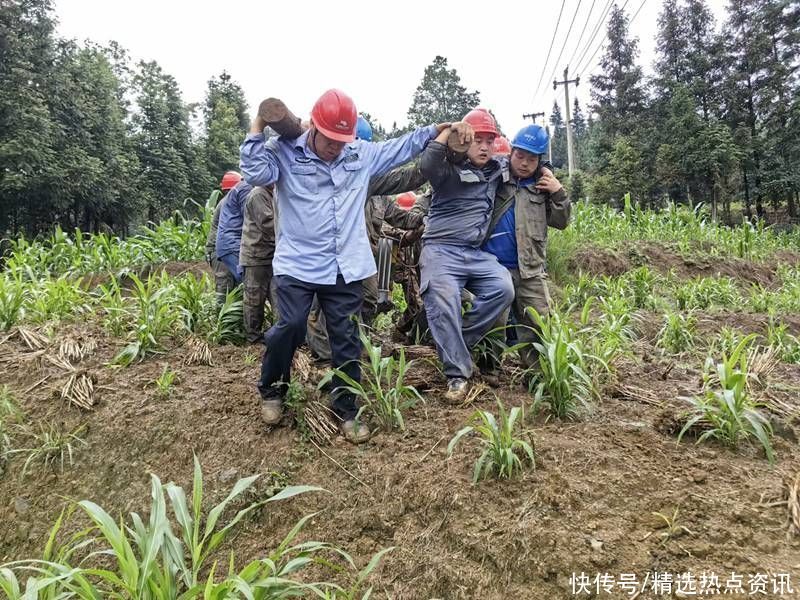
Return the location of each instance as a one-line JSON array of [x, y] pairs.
[[383, 392], [9, 410], [57, 299], [725, 410], [786, 344], [152, 559], [609, 336], [12, 301], [501, 440], [153, 318], [726, 341], [228, 325], [108, 296], [677, 334], [562, 383], [196, 299], [489, 351], [52, 447], [641, 287], [165, 382], [705, 292]]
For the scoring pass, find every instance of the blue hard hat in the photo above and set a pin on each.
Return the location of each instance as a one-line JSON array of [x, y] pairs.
[[363, 130], [532, 138]]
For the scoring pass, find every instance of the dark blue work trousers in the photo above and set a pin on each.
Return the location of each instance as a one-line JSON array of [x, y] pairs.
[[341, 303]]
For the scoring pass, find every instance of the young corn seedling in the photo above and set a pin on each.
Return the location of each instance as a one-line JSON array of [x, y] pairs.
[[562, 383], [12, 301], [501, 440], [725, 411], [228, 326], [196, 301], [609, 337], [727, 340], [677, 334], [382, 390], [154, 318], [52, 447], [165, 383], [489, 351], [164, 555], [703, 293], [671, 527], [786, 345], [642, 283], [55, 299]]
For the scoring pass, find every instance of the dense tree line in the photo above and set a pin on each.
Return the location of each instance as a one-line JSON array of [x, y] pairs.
[[89, 139], [719, 121]]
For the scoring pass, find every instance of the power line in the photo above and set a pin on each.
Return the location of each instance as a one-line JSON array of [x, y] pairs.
[[555, 64], [595, 30], [580, 37], [636, 14], [585, 65], [546, 60]]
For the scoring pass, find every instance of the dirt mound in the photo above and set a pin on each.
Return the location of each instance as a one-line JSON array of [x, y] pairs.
[[663, 258], [587, 507]]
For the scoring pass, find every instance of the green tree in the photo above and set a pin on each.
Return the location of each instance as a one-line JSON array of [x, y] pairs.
[[226, 123], [27, 174], [558, 137], [440, 97], [618, 91]]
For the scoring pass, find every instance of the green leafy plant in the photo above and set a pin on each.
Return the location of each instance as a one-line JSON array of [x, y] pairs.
[[54, 299], [153, 318], [382, 389], [703, 293], [562, 383], [196, 301], [12, 301], [677, 334], [786, 344], [725, 411], [165, 382], [488, 353], [642, 282], [52, 447], [154, 559], [671, 527], [501, 441], [228, 326]]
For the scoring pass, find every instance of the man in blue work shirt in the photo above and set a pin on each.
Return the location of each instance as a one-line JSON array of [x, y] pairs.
[[322, 247], [229, 233]]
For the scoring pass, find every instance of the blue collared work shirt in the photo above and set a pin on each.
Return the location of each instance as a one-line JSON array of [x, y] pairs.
[[320, 206], [231, 217]]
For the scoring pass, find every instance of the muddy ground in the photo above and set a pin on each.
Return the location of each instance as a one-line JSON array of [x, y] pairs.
[[587, 506]]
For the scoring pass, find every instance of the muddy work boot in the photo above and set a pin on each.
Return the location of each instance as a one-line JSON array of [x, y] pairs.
[[457, 389], [355, 432], [271, 411]]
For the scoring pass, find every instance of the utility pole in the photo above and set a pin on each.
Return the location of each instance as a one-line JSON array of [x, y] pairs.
[[533, 116], [565, 83]]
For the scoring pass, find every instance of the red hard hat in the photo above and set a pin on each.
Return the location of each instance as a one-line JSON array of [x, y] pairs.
[[407, 200], [335, 116], [501, 146], [482, 121], [229, 180]]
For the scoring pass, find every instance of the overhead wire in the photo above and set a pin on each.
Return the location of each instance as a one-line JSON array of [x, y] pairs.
[[580, 37], [633, 18], [546, 60], [555, 64]]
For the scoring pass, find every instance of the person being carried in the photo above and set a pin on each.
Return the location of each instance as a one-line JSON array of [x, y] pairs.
[[452, 259]]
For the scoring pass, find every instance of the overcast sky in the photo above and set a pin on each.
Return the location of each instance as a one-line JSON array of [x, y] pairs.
[[296, 50]]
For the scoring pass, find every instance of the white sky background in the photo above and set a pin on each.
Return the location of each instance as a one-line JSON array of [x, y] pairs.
[[375, 51]]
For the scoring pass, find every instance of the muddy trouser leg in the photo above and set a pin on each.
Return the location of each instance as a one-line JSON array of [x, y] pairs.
[[256, 289], [443, 275], [223, 280], [493, 290], [530, 291], [283, 338], [342, 303], [273, 300], [370, 309], [317, 334], [232, 262]]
